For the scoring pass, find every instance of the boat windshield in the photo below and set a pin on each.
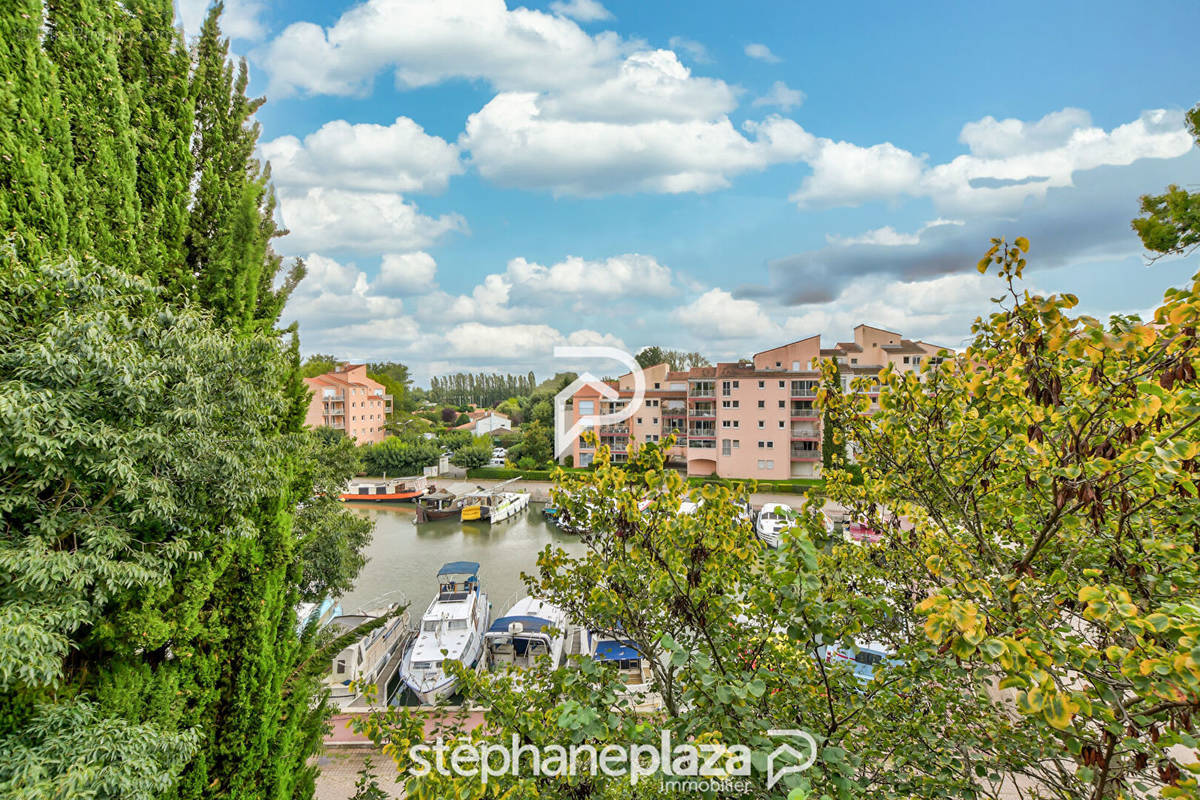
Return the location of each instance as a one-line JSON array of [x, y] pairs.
[[769, 515], [457, 625], [430, 625], [424, 665]]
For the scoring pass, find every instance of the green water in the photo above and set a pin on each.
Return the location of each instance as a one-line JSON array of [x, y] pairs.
[[404, 557]]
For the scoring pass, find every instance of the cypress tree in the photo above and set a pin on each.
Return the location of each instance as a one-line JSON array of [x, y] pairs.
[[81, 40], [35, 143], [154, 64]]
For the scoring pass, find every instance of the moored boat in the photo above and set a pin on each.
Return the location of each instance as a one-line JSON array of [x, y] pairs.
[[773, 520], [363, 662], [444, 504], [531, 633], [618, 653], [453, 623], [385, 490], [494, 505]]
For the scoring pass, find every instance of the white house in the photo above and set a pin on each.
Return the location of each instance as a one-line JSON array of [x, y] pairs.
[[485, 421]]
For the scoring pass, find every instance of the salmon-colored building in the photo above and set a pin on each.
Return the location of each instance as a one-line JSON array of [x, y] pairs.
[[346, 399], [756, 418]]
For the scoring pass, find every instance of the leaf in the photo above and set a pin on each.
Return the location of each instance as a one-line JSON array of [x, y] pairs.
[[1022, 243]]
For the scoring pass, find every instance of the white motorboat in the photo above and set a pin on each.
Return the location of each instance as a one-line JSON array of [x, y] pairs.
[[531, 633], [622, 655], [451, 630], [773, 520], [361, 664], [494, 505]]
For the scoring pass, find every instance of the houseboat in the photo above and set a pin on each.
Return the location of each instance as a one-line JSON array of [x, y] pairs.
[[363, 663], [454, 622], [444, 504], [385, 490], [531, 633]]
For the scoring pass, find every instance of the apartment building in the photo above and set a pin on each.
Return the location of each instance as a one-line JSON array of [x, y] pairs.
[[756, 418], [346, 399]]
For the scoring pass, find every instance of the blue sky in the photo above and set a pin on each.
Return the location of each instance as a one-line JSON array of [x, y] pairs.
[[473, 183]]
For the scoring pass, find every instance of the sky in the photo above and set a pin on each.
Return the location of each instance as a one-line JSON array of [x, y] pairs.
[[473, 183]]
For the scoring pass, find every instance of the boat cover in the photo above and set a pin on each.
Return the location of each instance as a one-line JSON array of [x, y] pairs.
[[613, 650], [459, 568], [530, 624]]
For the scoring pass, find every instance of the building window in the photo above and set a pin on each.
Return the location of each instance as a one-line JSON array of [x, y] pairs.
[[639, 420], [854, 361], [655, 421], [906, 359], [762, 403], [782, 404], [726, 388], [587, 408], [770, 445], [781, 423], [726, 447], [795, 366], [656, 385], [737, 442], [761, 444], [778, 364], [762, 384], [762, 424], [781, 384]]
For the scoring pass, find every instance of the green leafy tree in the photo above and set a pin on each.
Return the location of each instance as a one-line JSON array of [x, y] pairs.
[[1170, 224], [476, 454], [396, 456], [1047, 482], [319, 364], [330, 538], [542, 413], [831, 455]]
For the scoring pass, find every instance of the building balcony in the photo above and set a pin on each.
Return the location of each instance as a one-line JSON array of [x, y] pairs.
[[702, 444], [617, 430], [703, 413], [702, 394], [806, 453], [702, 433], [805, 432]]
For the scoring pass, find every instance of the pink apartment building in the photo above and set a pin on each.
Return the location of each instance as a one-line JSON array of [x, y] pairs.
[[756, 418], [346, 399]]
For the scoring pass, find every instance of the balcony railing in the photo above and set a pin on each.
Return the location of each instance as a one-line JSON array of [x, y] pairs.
[[701, 393], [806, 453], [704, 413], [805, 432], [621, 430], [702, 433], [702, 444]]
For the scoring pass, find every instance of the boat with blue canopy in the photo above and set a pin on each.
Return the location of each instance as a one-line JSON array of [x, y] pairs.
[[450, 629]]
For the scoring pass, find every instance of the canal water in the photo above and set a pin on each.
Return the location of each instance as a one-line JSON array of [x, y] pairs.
[[403, 558]]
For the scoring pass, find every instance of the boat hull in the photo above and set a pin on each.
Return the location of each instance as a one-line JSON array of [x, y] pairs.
[[429, 514], [396, 497]]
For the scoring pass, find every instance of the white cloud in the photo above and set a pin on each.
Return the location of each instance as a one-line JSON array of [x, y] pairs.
[[631, 274], [781, 96], [405, 273], [429, 42], [695, 50], [990, 137], [399, 157], [240, 19], [518, 342], [846, 174], [325, 219], [716, 313], [512, 143], [761, 52], [582, 10], [649, 85], [1010, 161], [889, 236]]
